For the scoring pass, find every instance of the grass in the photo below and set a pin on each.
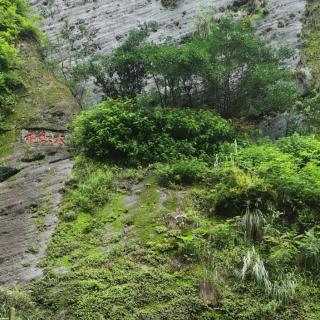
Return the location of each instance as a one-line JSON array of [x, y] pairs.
[[121, 260]]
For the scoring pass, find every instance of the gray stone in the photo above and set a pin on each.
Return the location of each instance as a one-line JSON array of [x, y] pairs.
[[304, 81], [32, 176], [113, 19]]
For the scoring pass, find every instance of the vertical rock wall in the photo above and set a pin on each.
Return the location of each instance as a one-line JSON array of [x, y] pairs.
[[113, 19], [33, 173]]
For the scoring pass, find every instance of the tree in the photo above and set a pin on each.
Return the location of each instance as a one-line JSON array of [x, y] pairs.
[[245, 73], [124, 72]]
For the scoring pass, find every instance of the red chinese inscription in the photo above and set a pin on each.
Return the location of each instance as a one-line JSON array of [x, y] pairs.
[[43, 138]]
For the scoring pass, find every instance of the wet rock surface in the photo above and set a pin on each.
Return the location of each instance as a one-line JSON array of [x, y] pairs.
[[32, 176], [113, 19]]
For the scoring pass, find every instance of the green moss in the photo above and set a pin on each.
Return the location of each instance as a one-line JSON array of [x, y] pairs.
[[110, 271], [123, 261], [41, 92]]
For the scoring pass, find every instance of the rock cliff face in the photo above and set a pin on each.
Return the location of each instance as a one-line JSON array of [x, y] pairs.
[[33, 168], [114, 18], [35, 163]]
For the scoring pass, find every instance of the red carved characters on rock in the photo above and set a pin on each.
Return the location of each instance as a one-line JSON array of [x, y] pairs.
[[30, 137], [44, 138], [59, 138]]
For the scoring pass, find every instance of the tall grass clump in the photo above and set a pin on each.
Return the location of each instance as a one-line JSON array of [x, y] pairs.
[[282, 290]]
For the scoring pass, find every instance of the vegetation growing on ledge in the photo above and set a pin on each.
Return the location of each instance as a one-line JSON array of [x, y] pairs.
[[310, 58], [172, 212], [227, 68], [310, 52], [171, 4], [15, 22], [125, 131]]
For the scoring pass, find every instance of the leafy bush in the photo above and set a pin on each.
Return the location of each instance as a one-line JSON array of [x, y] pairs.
[[121, 130], [15, 21], [205, 68], [309, 247], [221, 236], [235, 191], [20, 301], [305, 148], [184, 171], [296, 187], [263, 177], [283, 247]]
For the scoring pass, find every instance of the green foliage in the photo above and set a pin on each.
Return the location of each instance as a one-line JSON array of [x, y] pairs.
[[235, 191], [309, 247], [283, 247], [169, 3], [111, 258], [305, 148], [297, 186], [181, 172], [283, 176], [15, 21], [228, 68], [310, 37], [123, 74], [123, 260], [121, 130], [91, 187], [18, 300]]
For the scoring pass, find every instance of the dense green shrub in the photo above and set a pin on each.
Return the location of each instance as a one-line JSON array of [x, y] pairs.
[[236, 190], [184, 171], [121, 130], [15, 21], [297, 187], [305, 148], [205, 68], [309, 247], [264, 177]]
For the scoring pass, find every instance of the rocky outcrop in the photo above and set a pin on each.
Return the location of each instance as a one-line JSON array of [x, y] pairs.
[[113, 19], [34, 171]]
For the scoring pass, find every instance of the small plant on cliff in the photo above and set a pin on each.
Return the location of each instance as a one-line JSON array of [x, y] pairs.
[[171, 4]]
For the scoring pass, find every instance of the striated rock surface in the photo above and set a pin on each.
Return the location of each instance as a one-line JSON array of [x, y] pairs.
[[113, 19], [33, 170]]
